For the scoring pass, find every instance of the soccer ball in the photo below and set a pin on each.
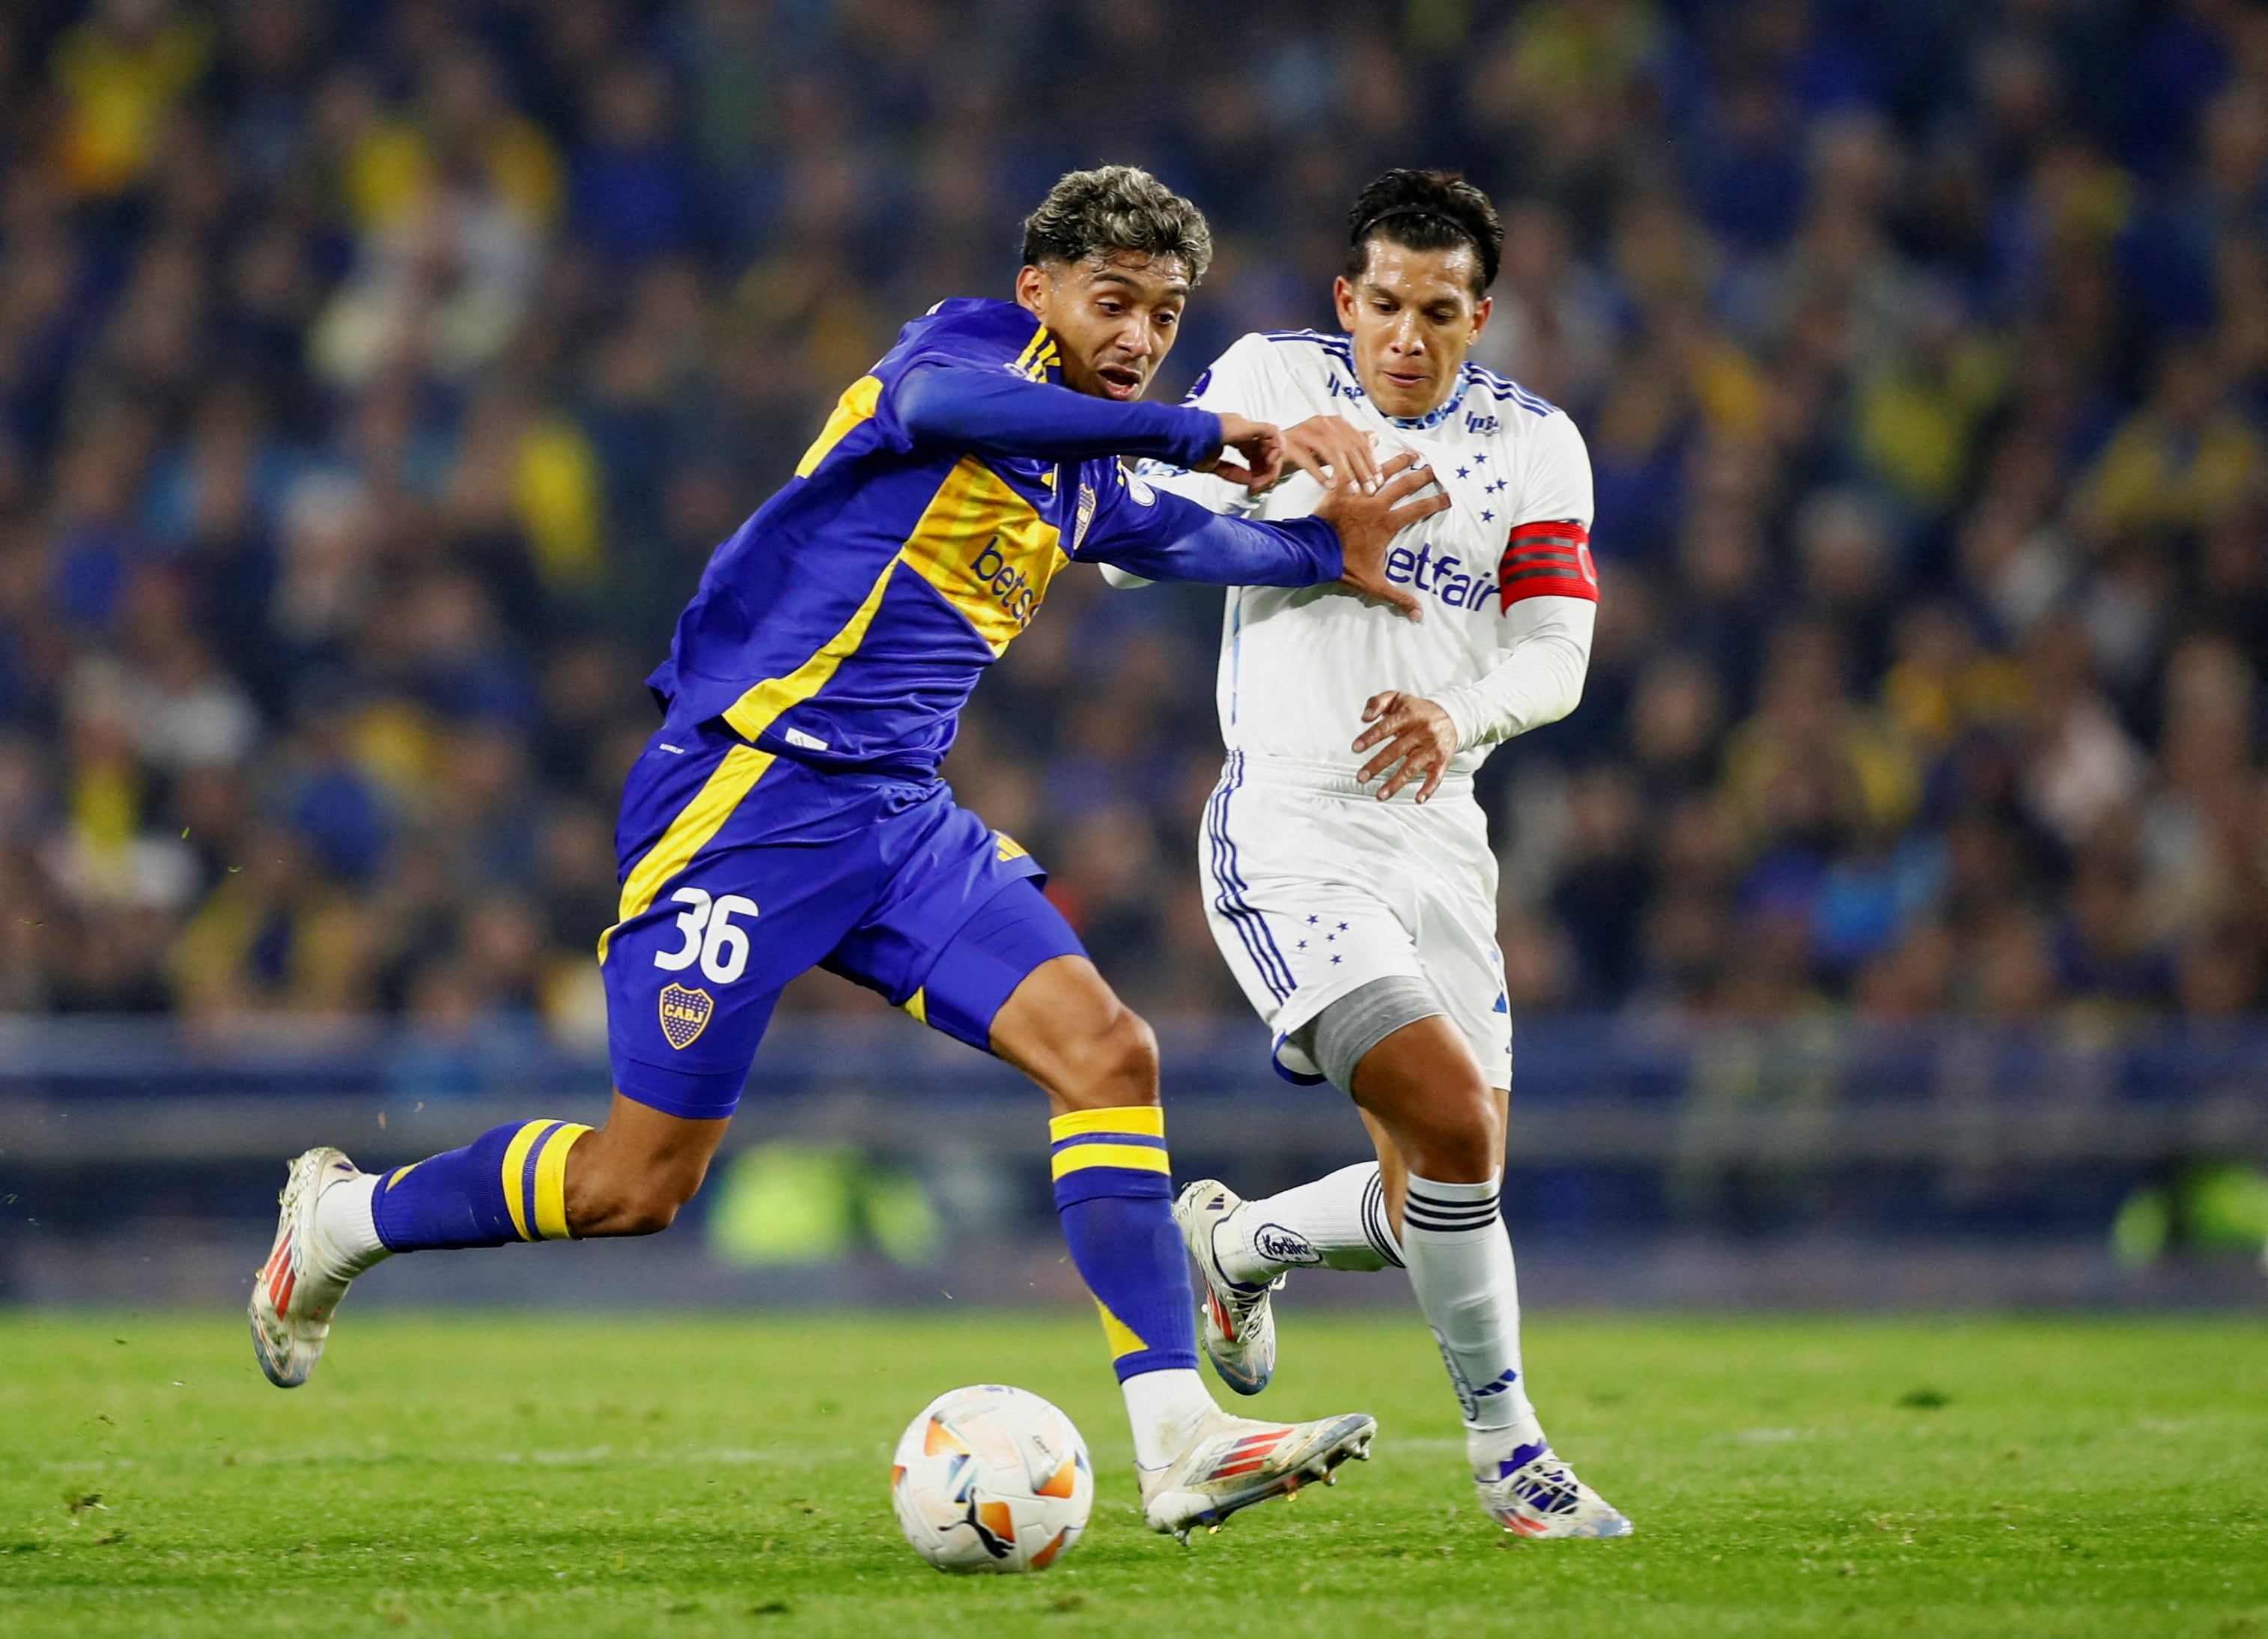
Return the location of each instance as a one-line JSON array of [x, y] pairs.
[[992, 1478]]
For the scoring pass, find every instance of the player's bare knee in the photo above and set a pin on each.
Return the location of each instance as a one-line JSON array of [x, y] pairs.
[[1112, 1063], [1456, 1136], [1478, 1129], [1476, 1145], [1124, 1059]]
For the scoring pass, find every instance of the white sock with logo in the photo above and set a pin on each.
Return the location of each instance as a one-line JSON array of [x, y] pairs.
[[1338, 1222], [1460, 1266]]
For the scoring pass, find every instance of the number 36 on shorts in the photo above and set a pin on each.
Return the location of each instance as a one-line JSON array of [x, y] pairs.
[[712, 937]]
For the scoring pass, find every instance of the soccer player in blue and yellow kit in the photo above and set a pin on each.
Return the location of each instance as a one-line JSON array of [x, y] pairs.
[[788, 813]]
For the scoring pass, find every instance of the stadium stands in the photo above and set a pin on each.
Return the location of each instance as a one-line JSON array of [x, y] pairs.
[[375, 379]]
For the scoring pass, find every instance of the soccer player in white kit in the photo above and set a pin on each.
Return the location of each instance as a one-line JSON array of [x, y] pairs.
[[1348, 876]]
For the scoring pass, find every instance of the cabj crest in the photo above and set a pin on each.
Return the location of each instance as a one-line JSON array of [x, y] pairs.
[[684, 1014]]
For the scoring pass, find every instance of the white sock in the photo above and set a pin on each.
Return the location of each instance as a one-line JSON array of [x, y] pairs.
[[1338, 1221], [346, 1229], [1164, 1408], [1460, 1266]]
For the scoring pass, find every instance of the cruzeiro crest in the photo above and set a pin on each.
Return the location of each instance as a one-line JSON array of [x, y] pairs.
[[684, 1014]]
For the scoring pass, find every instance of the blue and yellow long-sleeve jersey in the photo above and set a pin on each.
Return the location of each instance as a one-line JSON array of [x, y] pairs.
[[845, 624]]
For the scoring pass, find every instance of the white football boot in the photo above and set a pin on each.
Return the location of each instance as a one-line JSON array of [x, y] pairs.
[[1533, 1494], [1240, 1322], [1233, 1462], [296, 1291]]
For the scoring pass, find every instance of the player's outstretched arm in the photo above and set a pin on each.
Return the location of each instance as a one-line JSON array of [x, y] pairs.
[[1152, 535], [1164, 537], [986, 411]]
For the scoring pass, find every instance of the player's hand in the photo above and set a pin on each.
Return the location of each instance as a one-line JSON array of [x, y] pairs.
[[1369, 520], [1260, 443], [1329, 448], [1415, 733]]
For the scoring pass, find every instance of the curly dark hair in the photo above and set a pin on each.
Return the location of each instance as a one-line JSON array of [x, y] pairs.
[[1116, 208], [1425, 210]]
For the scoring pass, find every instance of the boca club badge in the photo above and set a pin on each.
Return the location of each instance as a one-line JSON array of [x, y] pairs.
[[684, 1014]]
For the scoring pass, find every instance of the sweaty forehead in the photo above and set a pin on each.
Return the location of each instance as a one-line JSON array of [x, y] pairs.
[[1421, 275]]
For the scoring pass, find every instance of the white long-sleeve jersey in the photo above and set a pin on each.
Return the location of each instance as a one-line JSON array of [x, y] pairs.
[[1505, 575]]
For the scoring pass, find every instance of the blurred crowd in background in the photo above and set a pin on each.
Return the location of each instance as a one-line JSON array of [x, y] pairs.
[[376, 378]]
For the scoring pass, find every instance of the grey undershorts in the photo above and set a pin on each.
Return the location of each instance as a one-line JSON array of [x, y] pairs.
[[1337, 1038]]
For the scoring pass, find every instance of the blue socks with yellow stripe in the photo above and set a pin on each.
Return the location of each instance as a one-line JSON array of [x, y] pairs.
[[1114, 1192], [510, 1184]]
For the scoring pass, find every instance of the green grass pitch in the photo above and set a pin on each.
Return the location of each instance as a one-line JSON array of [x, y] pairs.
[[589, 1475]]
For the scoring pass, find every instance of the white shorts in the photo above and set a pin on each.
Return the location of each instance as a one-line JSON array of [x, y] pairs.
[[1312, 887]]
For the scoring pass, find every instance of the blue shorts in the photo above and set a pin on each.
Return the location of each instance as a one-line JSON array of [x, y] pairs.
[[741, 870]]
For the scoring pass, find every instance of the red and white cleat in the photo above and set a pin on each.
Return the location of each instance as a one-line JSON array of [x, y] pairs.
[[1233, 1462], [297, 1291], [1240, 1322]]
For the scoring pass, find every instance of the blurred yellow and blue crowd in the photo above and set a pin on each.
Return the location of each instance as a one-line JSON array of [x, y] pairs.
[[376, 378]]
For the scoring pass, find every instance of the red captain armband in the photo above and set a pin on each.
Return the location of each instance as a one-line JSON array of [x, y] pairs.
[[1551, 560]]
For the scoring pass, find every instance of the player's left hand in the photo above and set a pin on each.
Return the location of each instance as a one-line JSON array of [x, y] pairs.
[[1260, 443], [1331, 450], [1414, 732]]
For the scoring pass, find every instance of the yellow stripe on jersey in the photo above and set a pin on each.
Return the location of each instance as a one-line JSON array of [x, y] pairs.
[[741, 767], [916, 1005], [515, 1169], [551, 1182], [1123, 1339], [756, 710], [700, 820], [1133, 1157], [851, 411], [1027, 362], [1143, 1120], [986, 550]]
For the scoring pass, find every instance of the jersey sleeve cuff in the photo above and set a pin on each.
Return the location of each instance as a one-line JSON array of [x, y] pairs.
[[1194, 433], [1464, 715]]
